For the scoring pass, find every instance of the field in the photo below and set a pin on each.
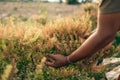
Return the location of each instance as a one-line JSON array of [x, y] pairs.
[[29, 9], [29, 31]]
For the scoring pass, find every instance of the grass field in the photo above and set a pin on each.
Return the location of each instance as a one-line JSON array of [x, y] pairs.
[[32, 30]]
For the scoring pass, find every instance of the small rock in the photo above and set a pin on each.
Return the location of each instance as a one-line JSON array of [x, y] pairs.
[[110, 61], [113, 74]]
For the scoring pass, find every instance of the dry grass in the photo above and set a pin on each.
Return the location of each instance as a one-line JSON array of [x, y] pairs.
[[24, 43]]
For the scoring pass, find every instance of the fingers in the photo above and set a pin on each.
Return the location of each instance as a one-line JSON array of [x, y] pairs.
[[52, 56], [55, 60], [50, 64], [51, 60]]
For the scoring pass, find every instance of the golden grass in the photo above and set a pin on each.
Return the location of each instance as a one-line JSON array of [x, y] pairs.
[[27, 42]]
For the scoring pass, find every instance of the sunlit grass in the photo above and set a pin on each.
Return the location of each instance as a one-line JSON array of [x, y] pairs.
[[24, 43]]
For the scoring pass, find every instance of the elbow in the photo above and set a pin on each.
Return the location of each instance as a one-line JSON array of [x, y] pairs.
[[109, 35], [112, 33]]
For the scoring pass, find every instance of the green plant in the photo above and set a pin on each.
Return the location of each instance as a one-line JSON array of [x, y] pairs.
[[24, 43]]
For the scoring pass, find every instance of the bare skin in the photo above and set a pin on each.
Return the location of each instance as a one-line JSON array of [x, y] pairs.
[[108, 26]]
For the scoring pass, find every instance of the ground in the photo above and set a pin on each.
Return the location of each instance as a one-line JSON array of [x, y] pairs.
[[27, 9]]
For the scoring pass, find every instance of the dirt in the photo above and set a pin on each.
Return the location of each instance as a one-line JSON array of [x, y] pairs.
[[28, 9]]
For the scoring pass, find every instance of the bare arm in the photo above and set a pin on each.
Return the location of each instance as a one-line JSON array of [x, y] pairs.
[[94, 43], [106, 30]]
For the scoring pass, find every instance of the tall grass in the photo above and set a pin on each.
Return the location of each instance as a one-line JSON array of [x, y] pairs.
[[23, 44]]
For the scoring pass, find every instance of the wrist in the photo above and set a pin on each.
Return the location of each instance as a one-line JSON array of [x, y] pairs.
[[68, 60]]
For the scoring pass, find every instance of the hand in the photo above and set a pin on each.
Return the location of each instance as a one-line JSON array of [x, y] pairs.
[[57, 60]]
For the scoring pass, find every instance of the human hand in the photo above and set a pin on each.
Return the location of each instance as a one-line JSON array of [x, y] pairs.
[[56, 60]]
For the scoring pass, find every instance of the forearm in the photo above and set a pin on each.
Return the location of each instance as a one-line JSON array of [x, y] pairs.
[[95, 42]]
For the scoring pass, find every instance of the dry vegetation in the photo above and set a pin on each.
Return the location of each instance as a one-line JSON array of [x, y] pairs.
[[24, 43]]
